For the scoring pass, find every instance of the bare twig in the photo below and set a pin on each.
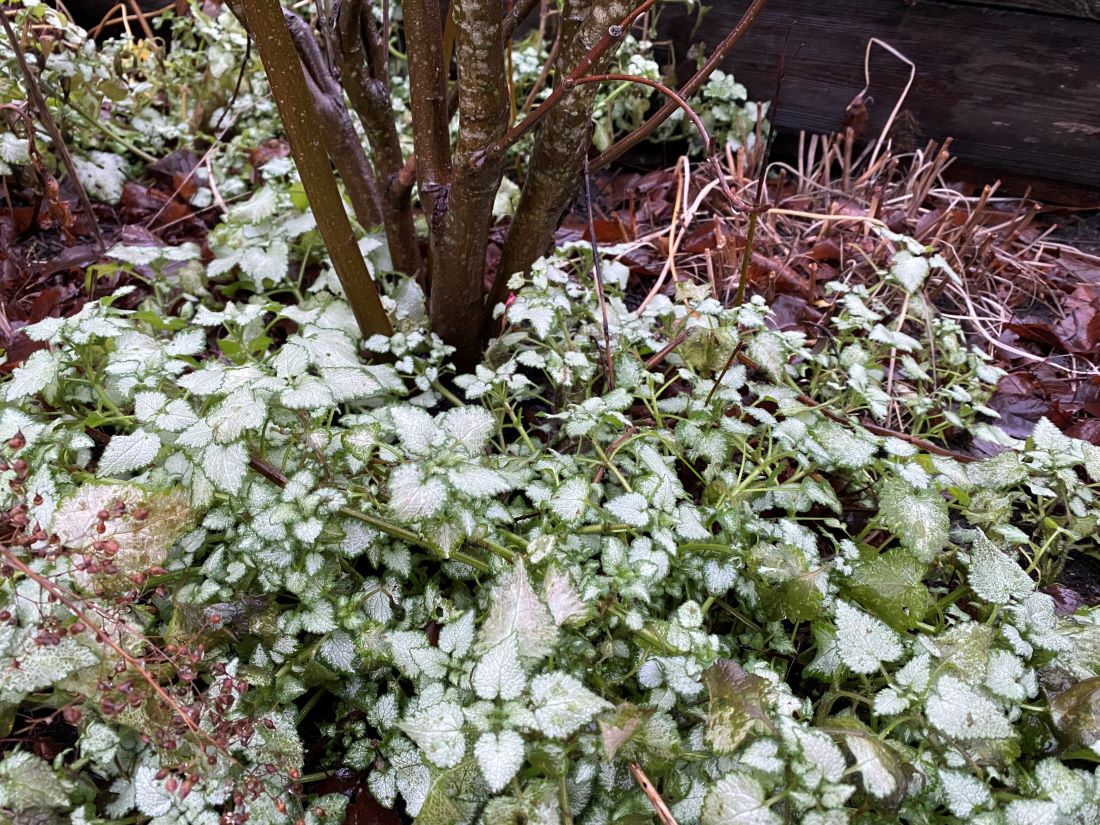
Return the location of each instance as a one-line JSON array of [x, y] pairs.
[[70, 602], [43, 109], [597, 275], [720, 53], [874, 41], [659, 806], [264, 19], [610, 38]]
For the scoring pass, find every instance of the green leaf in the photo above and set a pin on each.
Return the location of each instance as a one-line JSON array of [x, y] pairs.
[[891, 587], [738, 703], [454, 796], [797, 600], [919, 518]]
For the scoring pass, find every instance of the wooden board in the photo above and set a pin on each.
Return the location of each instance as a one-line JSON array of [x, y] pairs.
[[1087, 9], [1018, 91]]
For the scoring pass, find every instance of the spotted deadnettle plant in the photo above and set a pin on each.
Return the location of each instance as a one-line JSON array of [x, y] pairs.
[[491, 594]]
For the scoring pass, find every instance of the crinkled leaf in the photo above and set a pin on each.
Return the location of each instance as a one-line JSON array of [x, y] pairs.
[[562, 704], [891, 587], [437, 731], [126, 453], [918, 518], [737, 799], [864, 642], [518, 612], [995, 577]]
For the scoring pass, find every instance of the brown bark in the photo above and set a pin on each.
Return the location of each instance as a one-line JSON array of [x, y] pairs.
[[362, 61], [428, 87], [341, 139], [264, 20], [458, 271], [562, 140]]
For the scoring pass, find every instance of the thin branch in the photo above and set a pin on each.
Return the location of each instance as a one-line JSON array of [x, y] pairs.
[[610, 38], [717, 57], [341, 140], [597, 275], [659, 806], [363, 64], [71, 605], [264, 20], [35, 93], [428, 101], [676, 99], [519, 13], [874, 41]]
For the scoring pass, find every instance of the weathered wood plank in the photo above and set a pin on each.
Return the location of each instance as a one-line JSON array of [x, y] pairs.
[[1088, 9], [1017, 91]]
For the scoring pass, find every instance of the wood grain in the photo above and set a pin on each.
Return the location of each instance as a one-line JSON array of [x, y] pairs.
[[1018, 91]]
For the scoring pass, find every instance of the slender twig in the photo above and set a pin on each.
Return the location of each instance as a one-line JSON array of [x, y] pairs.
[[240, 79], [762, 178], [874, 41], [666, 350], [597, 275], [659, 806], [47, 120], [70, 603], [653, 84], [721, 52], [297, 108], [612, 36], [519, 13]]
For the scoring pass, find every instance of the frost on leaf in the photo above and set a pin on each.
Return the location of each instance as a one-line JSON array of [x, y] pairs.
[[918, 518], [739, 703], [499, 755], [564, 602], [225, 465], [864, 642], [909, 270], [737, 799], [962, 713], [437, 731], [518, 612], [562, 704], [470, 427], [963, 792], [27, 783], [126, 453], [416, 430], [995, 577], [33, 375]]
